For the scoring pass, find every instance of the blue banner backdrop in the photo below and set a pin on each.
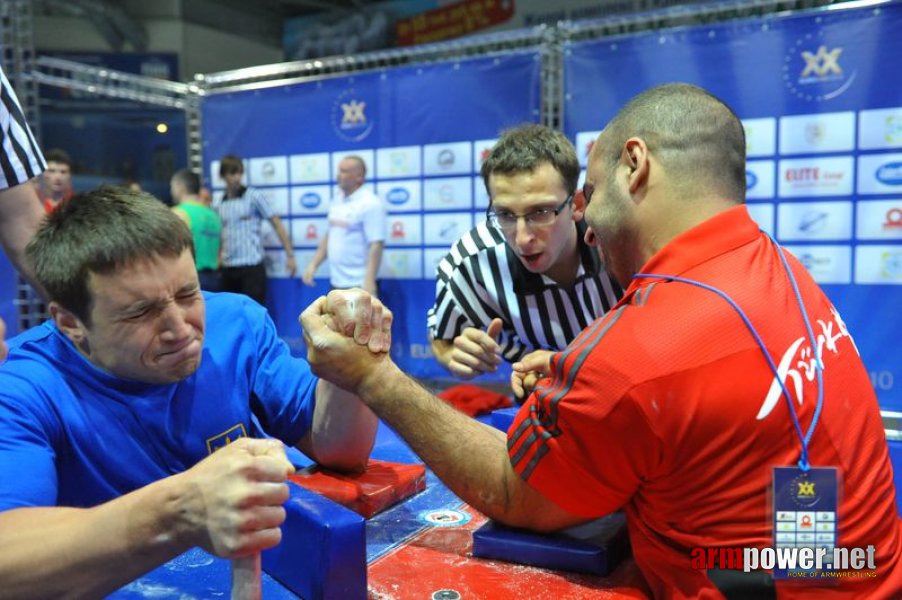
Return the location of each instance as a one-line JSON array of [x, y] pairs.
[[422, 130], [823, 115]]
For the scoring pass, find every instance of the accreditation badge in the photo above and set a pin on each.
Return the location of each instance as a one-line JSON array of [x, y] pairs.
[[805, 513]]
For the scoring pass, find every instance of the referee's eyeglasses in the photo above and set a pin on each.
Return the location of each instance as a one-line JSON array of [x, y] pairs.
[[543, 217]]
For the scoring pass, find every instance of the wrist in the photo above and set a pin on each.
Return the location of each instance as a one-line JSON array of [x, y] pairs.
[[373, 384]]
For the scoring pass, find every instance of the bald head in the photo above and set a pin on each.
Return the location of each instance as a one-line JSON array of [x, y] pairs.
[[697, 138]]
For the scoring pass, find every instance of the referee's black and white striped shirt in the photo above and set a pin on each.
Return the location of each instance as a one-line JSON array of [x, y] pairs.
[[242, 227], [20, 157], [482, 278]]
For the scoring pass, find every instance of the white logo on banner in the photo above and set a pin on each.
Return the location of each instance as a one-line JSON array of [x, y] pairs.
[[816, 177], [879, 219], [310, 168], [269, 170], [826, 264], [307, 232], [759, 179], [880, 174], [481, 151], [448, 193], [401, 264], [398, 162], [811, 134], [878, 264], [402, 195], [760, 136], [880, 128], [814, 220], [447, 159], [445, 228], [310, 199], [403, 230]]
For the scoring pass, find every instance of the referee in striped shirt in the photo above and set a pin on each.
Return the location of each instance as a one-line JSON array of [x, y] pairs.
[[524, 280], [20, 208]]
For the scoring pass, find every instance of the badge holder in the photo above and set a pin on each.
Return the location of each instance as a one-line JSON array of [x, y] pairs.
[[805, 516]]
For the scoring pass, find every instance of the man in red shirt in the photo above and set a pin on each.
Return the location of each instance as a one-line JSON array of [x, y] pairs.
[[666, 407]]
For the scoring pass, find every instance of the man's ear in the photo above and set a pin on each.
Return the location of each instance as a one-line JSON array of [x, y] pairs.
[[579, 205], [635, 157], [68, 323]]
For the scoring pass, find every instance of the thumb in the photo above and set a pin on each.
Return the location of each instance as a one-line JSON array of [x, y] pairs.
[[311, 319], [494, 328]]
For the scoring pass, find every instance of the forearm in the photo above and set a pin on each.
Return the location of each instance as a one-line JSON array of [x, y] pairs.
[[320, 255], [20, 217], [468, 456], [63, 552], [283, 236], [343, 431], [373, 260]]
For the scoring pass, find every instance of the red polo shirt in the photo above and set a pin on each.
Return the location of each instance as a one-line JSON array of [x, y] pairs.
[[667, 408]]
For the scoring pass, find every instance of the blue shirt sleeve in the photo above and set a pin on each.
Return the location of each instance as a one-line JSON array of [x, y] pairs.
[[27, 455], [284, 388]]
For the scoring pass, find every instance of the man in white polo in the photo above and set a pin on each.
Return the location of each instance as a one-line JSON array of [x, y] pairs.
[[353, 243]]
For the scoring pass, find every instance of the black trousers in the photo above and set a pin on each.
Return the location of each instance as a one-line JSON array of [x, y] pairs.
[[250, 281]]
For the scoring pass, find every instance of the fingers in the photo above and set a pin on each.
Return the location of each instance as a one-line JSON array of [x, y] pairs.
[[494, 328], [470, 357], [538, 361], [353, 313]]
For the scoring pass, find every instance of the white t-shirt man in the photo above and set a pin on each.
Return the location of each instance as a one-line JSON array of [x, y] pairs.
[[355, 222]]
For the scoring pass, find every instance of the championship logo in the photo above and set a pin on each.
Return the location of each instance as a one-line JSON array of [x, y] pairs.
[[349, 116], [815, 70]]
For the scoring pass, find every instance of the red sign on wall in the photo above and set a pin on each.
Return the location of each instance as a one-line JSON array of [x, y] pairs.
[[452, 21]]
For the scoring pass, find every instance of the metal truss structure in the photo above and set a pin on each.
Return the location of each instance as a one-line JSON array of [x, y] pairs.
[[27, 71]]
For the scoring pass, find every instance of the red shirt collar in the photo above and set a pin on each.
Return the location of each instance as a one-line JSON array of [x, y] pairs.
[[720, 234]]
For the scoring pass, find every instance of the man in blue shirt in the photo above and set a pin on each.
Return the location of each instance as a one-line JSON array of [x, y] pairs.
[[124, 421]]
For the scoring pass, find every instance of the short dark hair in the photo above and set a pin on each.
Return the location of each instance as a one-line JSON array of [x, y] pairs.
[[692, 132], [189, 179], [526, 147], [230, 164], [58, 155], [100, 231]]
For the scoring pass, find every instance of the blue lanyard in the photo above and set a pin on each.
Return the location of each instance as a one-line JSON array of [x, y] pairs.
[[805, 438]]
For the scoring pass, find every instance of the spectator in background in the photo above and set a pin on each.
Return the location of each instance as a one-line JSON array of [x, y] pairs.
[[205, 226], [353, 243], [242, 211], [57, 179], [20, 212]]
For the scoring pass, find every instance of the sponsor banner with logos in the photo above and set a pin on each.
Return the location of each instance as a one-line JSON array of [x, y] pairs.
[[423, 132], [759, 179], [817, 133], [814, 221], [879, 219], [823, 125], [880, 174]]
